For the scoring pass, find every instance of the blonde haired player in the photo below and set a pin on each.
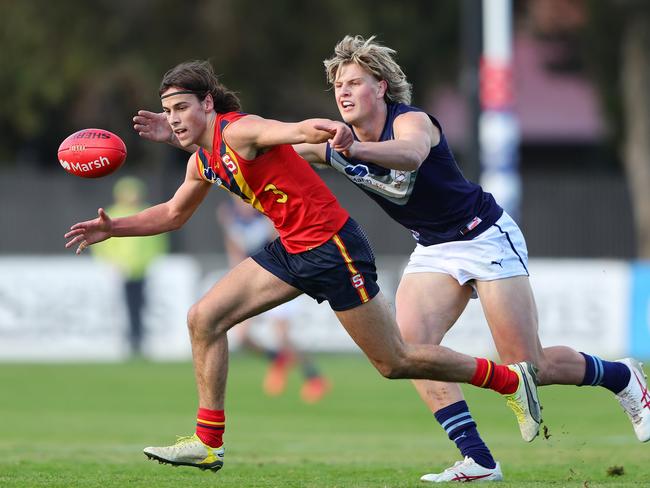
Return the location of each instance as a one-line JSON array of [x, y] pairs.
[[467, 247]]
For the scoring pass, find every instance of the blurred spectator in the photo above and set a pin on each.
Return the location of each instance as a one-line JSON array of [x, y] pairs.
[[246, 231], [131, 257]]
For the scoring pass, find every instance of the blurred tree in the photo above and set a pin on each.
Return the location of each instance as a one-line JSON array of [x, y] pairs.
[[635, 73], [610, 39], [618, 46], [82, 63]]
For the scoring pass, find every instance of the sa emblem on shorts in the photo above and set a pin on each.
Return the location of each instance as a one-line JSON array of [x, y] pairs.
[[357, 280]]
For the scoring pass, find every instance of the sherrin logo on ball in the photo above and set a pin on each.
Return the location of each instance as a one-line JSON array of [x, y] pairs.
[[92, 153]]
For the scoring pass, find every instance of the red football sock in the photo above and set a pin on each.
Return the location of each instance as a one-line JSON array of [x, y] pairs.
[[497, 377], [210, 425]]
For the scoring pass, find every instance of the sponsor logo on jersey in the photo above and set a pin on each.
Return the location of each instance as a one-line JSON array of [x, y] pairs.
[[400, 177], [209, 174], [470, 226], [392, 184], [357, 170]]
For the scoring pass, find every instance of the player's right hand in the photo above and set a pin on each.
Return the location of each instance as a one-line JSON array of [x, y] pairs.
[[83, 234], [152, 126], [342, 137]]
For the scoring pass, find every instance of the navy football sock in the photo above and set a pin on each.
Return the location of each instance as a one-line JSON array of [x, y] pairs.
[[461, 428], [608, 374]]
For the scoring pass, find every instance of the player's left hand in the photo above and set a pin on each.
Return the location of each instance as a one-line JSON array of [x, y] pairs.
[[89, 232]]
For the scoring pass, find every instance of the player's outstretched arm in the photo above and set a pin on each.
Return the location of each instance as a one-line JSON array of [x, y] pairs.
[[253, 132], [158, 219], [154, 127], [312, 153], [415, 135]]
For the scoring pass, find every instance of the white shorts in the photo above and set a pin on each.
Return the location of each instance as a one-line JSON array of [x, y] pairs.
[[499, 252]]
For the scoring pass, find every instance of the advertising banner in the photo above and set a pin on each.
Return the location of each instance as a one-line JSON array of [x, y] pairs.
[[72, 308], [639, 344]]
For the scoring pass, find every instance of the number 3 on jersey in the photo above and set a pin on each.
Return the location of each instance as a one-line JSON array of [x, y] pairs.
[[282, 196]]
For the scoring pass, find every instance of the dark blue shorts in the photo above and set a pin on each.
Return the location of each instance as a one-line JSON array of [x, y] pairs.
[[341, 271]]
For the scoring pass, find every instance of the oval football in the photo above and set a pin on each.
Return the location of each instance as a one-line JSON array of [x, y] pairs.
[[92, 153]]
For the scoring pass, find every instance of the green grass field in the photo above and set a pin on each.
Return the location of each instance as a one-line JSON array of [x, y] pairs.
[[80, 425]]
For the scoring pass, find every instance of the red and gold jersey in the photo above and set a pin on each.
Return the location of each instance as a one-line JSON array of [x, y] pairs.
[[278, 183]]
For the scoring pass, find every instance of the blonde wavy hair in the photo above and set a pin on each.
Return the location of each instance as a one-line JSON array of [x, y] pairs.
[[374, 58]]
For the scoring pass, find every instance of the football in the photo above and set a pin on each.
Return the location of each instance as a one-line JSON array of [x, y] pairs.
[[92, 153]]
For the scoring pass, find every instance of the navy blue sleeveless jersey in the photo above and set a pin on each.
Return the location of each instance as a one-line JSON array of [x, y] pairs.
[[435, 202]]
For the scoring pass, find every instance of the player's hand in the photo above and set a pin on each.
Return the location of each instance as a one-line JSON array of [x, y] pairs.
[[351, 151], [342, 137], [83, 234], [153, 126]]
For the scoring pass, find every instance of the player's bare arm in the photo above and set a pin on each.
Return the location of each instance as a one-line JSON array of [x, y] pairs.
[[154, 127], [252, 134], [170, 215], [415, 135], [160, 218], [312, 153]]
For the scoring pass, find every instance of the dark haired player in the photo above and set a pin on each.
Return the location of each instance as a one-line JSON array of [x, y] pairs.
[[321, 251]]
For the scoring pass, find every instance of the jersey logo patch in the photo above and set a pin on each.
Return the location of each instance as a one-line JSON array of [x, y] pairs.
[[357, 280], [209, 174], [394, 185], [473, 224], [357, 170], [230, 164]]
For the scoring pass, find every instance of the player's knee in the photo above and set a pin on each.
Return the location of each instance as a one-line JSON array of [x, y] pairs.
[[387, 370], [198, 322], [194, 320], [393, 368], [204, 324]]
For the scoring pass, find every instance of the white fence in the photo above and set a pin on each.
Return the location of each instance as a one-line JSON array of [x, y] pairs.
[[72, 308]]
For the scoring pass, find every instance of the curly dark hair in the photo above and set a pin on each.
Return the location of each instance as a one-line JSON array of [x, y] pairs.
[[199, 77]]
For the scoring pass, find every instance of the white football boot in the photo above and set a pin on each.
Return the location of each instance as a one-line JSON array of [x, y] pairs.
[[188, 451], [635, 400], [465, 471], [524, 401]]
